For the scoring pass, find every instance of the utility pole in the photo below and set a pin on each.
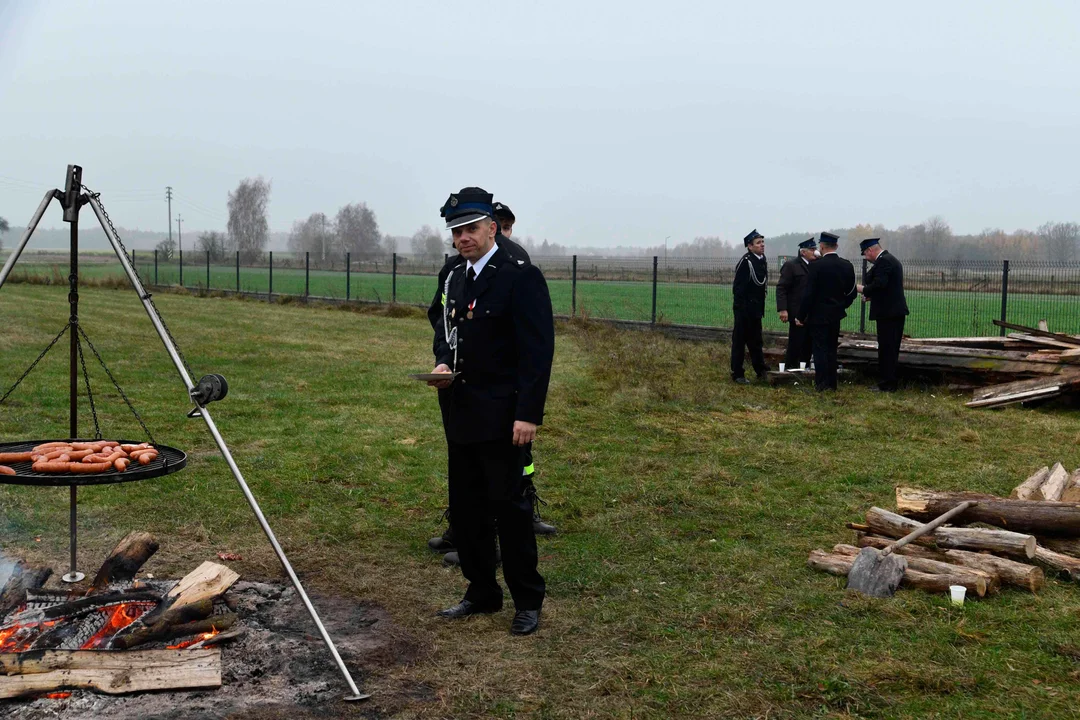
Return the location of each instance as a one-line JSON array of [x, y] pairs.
[[179, 234], [168, 197]]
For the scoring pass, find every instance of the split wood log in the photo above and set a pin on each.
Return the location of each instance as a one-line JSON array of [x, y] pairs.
[[890, 524], [1064, 564], [125, 560], [191, 599], [835, 564], [1010, 572], [23, 674], [1026, 489], [22, 578], [983, 581], [1053, 487], [1072, 488], [1023, 516]]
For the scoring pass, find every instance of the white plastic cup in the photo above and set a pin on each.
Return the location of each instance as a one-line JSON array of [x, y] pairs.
[[782, 367], [802, 366], [957, 592]]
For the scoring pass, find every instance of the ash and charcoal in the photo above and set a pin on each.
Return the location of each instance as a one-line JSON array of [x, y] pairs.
[[278, 667]]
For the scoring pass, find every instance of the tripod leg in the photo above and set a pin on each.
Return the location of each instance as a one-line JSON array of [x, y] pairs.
[[26, 236], [155, 319]]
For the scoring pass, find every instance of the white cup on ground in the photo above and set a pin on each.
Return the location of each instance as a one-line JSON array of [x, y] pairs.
[[781, 367], [957, 592], [802, 366]]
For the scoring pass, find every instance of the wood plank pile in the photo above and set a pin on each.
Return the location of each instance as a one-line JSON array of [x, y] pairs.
[[998, 542], [61, 639], [1025, 365]]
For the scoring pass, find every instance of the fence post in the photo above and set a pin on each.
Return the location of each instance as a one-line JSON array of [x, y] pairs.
[[237, 272], [307, 274], [155, 267], [1004, 293], [348, 276], [862, 305], [181, 268], [573, 288], [270, 294], [655, 264], [393, 281], [208, 270]]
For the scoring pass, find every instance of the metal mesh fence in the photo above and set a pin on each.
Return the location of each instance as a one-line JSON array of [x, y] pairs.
[[946, 299]]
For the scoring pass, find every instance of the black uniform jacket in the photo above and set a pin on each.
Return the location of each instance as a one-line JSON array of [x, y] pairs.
[[885, 288], [830, 290], [749, 295], [790, 286], [504, 352], [517, 252]]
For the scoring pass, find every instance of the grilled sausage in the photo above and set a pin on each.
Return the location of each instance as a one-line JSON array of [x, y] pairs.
[[15, 457], [5, 470]]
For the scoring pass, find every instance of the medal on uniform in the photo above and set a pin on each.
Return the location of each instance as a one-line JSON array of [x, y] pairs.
[[453, 312], [471, 306]]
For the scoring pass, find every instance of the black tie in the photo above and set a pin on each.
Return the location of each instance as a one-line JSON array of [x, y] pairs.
[[469, 277]]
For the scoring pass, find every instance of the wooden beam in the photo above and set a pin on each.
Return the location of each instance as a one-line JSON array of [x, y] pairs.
[[1061, 337], [113, 673]]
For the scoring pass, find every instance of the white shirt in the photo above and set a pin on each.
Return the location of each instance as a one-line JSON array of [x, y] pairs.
[[759, 257], [478, 266]]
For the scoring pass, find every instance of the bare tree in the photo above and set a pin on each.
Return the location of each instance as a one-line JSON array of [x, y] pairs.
[[4, 227], [314, 235], [1059, 240], [214, 243], [357, 231], [166, 249], [426, 243], [249, 229]]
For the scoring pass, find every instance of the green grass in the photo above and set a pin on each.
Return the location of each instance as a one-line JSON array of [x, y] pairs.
[[686, 507], [934, 313]]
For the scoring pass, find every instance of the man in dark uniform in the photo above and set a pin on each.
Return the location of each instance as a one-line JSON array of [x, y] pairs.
[[505, 217], [888, 307], [830, 290], [498, 333], [789, 293], [748, 291]]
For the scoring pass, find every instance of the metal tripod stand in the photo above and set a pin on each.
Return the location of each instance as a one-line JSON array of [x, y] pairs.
[[72, 198]]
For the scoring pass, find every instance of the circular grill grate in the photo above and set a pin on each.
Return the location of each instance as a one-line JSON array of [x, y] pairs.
[[168, 461]]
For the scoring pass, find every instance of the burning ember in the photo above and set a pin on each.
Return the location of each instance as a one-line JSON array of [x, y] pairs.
[[57, 696], [195, 640], [121, 616]]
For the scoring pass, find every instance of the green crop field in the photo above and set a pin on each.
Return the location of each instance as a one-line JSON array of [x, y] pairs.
[[933, 313], [686, 507]]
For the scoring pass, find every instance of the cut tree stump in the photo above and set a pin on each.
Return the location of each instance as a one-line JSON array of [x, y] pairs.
[[836, 564], [1023, 516], [23, 577], [1026, 489], [125, 560], [1053, 487], [1010, 572], [890, 524], [114, 673], [983, 581]]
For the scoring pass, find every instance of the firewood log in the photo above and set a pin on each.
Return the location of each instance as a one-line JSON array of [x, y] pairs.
[[1072, 488], [23, 577], [1063, 564], [1023, 516], [890, 524], [835, 564], [1053, 487], [124, 561], [991, 582], [1026, 489], [1010, 572]]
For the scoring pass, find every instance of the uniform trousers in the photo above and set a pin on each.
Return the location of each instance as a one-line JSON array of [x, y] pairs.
[[487, 497], [746, 335], [890, 331], [825, 338], [798, 345]]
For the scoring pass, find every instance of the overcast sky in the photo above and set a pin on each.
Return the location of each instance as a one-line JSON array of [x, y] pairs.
[[600, 123]]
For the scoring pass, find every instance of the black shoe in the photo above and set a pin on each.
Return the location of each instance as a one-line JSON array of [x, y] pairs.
[[445, 542], [465, 608], [539, 526], [452, 558], [741, 381], [525, 622]]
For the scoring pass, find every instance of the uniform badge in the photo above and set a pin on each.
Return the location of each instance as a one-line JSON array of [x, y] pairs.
[[453, 202], [469, 315], [453, 312]]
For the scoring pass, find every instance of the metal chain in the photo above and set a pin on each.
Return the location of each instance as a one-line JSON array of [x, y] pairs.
[[89, 392], [117, 386], [135, 270], [34, 364]]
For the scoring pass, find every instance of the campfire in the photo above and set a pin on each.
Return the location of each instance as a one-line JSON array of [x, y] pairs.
[[56, 640]]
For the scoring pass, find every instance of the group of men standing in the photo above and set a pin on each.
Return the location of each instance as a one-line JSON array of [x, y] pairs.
[[813, 294]]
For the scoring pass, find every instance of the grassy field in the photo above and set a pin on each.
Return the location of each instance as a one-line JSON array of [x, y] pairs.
[[933, 313], [686, 507]]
